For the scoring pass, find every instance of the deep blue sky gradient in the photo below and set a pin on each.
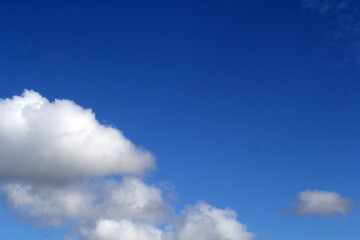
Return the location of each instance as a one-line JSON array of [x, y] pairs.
[[244, 103]]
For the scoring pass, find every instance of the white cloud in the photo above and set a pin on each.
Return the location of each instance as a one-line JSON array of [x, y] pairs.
[[122, 230], [204, 222], [130, 199], [60, 167], [322, 203], [58, 141], [127, 210], [200, 222], [47, 206]]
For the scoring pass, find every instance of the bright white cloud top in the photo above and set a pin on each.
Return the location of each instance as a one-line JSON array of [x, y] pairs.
[[122, 230], [322, 203], [57, 164], [204, 222], [60, 141]]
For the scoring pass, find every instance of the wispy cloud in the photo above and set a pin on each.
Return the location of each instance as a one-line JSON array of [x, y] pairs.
[[346, 15], [327, 6], [57, 164], [322, 203]]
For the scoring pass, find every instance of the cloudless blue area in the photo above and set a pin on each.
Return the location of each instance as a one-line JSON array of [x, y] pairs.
[[244, 103]]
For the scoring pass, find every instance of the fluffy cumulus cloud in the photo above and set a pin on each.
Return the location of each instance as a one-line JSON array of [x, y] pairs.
[[204, 222], [61, 141], [322, 203], [86, 202], [122, 230], [200, 222], [60, 167]]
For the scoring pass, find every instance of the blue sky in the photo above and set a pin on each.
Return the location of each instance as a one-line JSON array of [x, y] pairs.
[[244, 104]]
